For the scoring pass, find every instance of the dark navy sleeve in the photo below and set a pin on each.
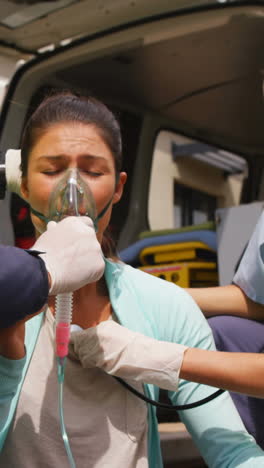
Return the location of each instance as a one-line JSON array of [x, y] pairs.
[[23, 284]]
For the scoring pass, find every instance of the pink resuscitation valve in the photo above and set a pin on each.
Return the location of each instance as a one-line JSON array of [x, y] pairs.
[[62, 339]]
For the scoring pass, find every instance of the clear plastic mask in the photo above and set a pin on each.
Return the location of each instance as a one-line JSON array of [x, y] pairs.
[[71, 197]]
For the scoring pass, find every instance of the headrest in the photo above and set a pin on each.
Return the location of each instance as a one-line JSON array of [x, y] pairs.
[[13, 171]]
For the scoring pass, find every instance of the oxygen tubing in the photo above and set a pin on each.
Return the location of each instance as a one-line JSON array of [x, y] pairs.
[[61, 367], [63, 318]]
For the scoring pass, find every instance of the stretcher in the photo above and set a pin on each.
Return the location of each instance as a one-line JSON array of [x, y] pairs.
[[186, 274]]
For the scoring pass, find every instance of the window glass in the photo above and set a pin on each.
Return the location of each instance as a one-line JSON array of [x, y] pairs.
[[192, 206], [190, 179]]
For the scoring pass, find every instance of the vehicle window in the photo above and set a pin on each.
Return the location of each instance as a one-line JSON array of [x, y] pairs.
[[192, 206], [189, 180]]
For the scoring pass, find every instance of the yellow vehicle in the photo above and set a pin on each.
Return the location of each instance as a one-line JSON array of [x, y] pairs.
[[185, 78]]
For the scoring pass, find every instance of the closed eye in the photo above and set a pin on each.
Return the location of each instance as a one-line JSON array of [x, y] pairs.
[[92, 173], [85, 172], [52, 173]]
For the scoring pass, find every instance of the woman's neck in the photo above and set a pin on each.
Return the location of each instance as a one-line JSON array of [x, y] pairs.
[[91, 304]]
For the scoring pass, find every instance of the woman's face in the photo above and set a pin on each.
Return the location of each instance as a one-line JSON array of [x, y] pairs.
[[71, 145]]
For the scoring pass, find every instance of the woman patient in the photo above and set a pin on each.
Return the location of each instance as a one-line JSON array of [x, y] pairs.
[[134, 325]]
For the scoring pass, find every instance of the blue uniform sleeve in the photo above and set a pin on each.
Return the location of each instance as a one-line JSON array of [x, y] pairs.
[[23, 284], [250, 274], [215, 427]]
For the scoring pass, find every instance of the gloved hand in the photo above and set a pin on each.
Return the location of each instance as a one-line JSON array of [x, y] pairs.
[[127, 354], [73, 255]]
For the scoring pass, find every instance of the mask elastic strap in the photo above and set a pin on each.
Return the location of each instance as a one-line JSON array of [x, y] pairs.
[[110, 201], [39, 215], [104, 210], [46, 220]]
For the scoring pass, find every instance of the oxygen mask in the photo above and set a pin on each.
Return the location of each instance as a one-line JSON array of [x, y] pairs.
[[71, 196]]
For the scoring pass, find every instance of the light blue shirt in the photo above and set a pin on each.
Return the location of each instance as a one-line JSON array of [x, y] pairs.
[[250, 273], [161, 310]]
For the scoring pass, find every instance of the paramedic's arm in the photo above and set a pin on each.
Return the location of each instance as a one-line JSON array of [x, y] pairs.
[[12, 341], [244, 298], [236, 372], [216, 427], [24, 284], [131, 355], [226, 300], [128, 354], [71, 254]]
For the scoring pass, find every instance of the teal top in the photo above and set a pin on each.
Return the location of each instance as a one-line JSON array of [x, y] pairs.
[[161, 310]]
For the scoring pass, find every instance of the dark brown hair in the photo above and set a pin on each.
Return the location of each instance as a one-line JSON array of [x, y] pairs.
[[67, 106], [70, 107]]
